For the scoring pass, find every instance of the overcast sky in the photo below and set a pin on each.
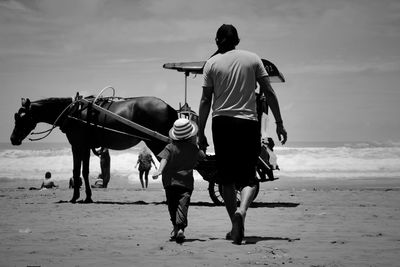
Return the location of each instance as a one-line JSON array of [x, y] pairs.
[[341, 59]]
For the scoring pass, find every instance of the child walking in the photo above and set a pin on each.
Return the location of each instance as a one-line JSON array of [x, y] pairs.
[[176, 167]]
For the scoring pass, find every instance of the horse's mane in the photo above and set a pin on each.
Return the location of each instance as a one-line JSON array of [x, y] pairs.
[[54, 100]]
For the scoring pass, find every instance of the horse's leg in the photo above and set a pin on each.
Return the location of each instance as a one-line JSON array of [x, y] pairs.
[[76, 172], [85, 174]]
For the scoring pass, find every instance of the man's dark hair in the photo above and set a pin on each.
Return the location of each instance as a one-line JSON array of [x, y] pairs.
[[227, 38]]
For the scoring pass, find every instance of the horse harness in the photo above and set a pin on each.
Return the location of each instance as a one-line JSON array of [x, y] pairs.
[[77, 114]]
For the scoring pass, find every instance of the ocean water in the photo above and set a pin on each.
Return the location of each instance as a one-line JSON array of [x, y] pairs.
[[297, 160]]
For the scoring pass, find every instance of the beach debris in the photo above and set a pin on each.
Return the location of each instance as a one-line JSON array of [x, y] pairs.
[[340, 242], [25, 231]]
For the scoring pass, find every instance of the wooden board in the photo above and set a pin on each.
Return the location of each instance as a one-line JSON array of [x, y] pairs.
[[191, 67], [196, 67]]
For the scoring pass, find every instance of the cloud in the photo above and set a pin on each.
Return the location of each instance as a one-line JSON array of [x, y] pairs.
[[133, 60], [13, 6], [339, 67]]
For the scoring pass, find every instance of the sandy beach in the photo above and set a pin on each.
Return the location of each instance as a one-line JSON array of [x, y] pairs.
[[292, 223]]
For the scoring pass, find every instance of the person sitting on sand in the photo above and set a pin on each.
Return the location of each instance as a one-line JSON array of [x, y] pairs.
[[47, 183], [177, 162]]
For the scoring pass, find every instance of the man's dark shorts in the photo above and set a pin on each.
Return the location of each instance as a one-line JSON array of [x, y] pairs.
[[237, 146]]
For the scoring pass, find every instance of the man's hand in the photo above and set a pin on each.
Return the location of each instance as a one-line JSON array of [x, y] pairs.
[[202, 143], [281, 132]]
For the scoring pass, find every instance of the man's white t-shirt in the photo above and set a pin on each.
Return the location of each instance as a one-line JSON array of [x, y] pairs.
[[233, 75]]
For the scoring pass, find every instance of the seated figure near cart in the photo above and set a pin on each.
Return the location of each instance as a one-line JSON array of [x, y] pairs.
[[267, 160]]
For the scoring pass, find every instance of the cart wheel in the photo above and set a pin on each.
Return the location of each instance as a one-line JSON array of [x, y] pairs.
[[216, 195]]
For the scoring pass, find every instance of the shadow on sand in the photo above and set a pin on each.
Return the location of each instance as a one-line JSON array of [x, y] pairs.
[[251, 240], [247, 240], [198, 204]]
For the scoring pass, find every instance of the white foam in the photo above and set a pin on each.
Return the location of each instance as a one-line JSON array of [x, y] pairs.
[[317, 162]]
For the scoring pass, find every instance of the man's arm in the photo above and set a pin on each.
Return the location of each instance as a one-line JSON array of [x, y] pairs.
[[204, 111], [272, 100]]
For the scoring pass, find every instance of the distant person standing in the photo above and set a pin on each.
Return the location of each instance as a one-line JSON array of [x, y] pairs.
[[105, 165], [230, 79], [144, 161]]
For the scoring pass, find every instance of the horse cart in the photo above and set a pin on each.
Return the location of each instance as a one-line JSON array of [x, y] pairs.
[[207, 168], [120, 123]]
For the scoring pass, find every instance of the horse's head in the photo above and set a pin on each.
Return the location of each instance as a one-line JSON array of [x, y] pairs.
[[24, 123]]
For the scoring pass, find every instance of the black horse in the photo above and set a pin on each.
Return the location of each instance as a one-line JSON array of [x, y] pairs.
[[87, 127]]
